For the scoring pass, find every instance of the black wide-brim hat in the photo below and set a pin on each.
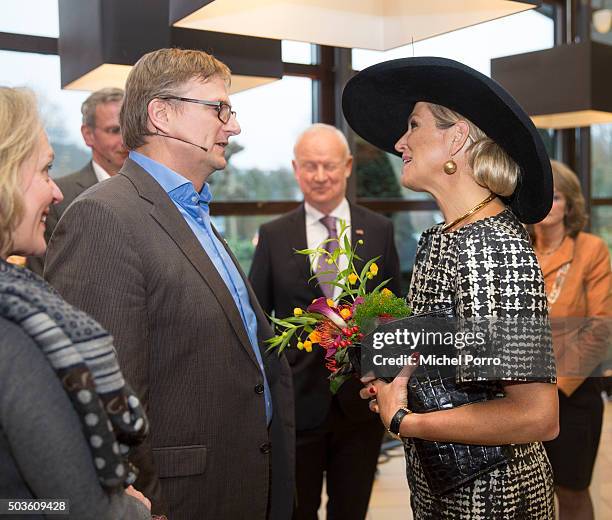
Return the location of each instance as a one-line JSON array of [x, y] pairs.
[[378, 101]]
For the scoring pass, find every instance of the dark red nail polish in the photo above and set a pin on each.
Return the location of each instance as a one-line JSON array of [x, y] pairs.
[[372, 390]]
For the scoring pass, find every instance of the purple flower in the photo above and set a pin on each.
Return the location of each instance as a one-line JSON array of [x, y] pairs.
[[358, 301], [330, 353], [320, 306]]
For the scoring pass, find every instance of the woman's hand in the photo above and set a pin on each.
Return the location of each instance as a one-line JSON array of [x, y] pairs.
[[387, 398]]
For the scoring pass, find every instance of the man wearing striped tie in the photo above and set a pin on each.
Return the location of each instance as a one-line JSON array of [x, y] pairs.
[[336, 434]]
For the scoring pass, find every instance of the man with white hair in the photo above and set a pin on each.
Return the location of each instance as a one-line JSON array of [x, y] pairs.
[[336, 434]]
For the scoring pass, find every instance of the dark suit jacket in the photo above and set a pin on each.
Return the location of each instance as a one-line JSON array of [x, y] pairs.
[[124, 253], [280, 279], [71, 186]]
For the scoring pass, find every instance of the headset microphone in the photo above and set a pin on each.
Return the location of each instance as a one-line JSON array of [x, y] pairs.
[[183, 140], [157, 133]]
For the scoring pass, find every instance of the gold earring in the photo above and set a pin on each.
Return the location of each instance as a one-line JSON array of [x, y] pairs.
[[450, 167]]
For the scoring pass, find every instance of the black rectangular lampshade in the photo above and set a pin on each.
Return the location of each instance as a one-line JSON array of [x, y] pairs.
[[567, 86], [100, 40]]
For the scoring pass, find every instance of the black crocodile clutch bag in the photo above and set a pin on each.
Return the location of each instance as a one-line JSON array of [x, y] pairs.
[[447, 465]]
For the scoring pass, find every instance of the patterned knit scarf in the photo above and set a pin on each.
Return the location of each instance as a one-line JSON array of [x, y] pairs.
[[82, 355]]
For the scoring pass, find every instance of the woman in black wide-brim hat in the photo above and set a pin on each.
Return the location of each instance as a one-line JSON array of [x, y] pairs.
[[474, 451]]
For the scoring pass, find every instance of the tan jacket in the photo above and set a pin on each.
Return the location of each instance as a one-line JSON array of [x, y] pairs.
[[581, 339]]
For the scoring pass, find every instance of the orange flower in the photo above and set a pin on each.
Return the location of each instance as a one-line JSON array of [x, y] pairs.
[[308, 346], [314, 336], [345, 313], [386, 292]]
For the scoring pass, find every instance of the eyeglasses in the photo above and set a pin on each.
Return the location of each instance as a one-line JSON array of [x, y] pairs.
[[224, 111], [312, 167]]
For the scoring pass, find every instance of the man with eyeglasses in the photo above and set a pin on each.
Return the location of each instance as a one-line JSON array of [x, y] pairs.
[[336, 434], [101, 132], [140, 254]]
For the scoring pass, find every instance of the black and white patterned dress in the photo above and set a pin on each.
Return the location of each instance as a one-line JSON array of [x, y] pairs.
[[487, 268]]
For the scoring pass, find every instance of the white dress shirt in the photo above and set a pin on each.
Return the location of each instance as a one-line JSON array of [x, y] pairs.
[[100, 172], [316, 232]]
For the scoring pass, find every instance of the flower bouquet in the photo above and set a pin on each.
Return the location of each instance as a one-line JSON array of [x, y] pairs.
[[340, 324]]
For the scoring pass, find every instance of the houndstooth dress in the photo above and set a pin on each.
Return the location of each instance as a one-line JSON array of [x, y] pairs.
[[487, 268]]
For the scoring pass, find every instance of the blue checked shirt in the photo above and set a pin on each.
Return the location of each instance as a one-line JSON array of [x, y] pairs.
[[194, 209]]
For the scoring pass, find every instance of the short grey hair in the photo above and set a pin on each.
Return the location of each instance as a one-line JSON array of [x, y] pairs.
[[99, 97], [318, 127]]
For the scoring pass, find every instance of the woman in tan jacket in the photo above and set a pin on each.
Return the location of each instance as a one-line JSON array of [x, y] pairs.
[[576, 269]]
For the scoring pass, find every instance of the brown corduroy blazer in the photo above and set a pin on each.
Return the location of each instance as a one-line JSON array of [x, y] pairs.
[[582, 314], [123, 253]]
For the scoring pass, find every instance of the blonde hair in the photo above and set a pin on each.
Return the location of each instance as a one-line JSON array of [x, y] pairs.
[[20, 127], [566, 182], [493, 168], [157, 74]]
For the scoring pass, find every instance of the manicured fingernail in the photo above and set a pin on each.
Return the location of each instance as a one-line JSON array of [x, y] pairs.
[[372, 390], [416, 356]]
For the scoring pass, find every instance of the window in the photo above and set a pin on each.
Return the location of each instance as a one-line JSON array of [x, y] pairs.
[[241, 234], [477, 45], [298, 52], [408, 227], [601, 182], [259, 166], [601, 161], [35, 17], [379, 173], [61, 109], [601, 223]]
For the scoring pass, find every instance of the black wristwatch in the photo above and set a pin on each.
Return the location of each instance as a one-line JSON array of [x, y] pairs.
[[394, 425]]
